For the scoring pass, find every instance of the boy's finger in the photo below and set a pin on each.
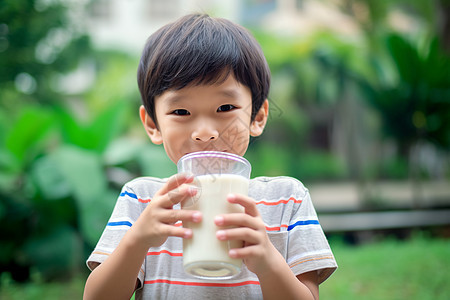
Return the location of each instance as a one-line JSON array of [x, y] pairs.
[[243, 234], [247, 202], [175, 215], [237, 220], [250, 251], [178, 195], [170, 230], [175, 181]]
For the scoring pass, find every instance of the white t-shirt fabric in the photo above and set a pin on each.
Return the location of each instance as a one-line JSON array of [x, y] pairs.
[[291, 223]]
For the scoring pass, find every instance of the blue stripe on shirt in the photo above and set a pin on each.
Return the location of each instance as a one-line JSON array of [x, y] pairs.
[[290, 227], [125, 193], [300, 223], [120, 223]]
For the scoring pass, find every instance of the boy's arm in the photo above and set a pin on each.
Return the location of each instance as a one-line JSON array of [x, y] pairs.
[[116, 277], [281, 283], [261, 257]]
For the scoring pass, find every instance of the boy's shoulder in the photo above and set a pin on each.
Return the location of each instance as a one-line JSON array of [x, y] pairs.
[[144, 185], [146, 180], [280, 185]]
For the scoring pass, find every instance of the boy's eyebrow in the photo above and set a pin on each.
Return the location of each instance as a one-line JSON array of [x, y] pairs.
[[174, 98], [229, 93]]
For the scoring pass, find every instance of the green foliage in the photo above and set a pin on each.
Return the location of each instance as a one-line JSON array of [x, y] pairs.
[[405, 84], [55, 195], [95, 135], [416, 105], [39, 289], [39, 43], [308, 166]]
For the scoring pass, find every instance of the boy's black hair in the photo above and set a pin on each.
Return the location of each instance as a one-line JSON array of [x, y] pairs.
[[198, 49]]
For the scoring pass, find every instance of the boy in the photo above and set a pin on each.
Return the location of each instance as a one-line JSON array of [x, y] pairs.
[[204, 84]]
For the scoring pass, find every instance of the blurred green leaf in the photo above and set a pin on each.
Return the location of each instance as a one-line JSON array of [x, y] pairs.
[[121, 151], [57, 253], [406, 58], [97, 134], [48, 176], [154, 161], [94, 214], [28, 132], [83, 172]]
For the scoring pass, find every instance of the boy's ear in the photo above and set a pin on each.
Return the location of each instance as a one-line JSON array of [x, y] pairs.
[[150, 126], [258, 124]]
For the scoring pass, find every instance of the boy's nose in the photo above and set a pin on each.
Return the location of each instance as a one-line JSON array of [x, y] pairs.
[[205, 134]]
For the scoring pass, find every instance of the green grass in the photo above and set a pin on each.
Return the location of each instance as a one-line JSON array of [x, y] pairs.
[[415, 269], [9, 290]]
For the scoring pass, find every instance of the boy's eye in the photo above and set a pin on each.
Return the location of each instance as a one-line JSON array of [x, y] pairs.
[[180, 112], [226, 107]]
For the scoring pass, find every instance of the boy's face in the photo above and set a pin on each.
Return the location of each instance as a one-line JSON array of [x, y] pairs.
[[205, 118]]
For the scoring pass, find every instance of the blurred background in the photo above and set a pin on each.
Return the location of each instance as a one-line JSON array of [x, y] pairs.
[[359, 111]]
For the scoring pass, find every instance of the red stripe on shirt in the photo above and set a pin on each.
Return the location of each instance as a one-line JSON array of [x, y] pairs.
[[164, 251], [277, 228], [260, 202], [279, 202], [210, 284], [144, 200]]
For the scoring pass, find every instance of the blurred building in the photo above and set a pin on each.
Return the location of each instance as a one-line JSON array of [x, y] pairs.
[[127, 24]]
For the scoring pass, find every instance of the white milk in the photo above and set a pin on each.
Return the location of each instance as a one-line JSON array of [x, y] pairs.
[[204, 255]]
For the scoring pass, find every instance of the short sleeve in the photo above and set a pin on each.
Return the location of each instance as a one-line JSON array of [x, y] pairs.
[[308, 248], [126, 211], [292, 224]]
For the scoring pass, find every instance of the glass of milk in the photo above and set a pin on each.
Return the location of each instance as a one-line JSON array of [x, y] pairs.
[[217, 174]]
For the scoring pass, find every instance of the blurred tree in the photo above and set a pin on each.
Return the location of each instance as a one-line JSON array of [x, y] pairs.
[[416, 105], [398, 66], [409, 78], [38, 41], [61, 162]]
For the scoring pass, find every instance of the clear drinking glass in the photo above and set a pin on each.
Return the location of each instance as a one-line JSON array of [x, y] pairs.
[[217, 174]]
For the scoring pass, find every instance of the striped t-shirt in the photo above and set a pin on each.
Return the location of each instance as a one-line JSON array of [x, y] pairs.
[[291, 223]]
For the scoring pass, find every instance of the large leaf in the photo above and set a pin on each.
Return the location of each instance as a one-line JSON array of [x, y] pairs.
[[83, 172], [406, 58], [95, 135], [75, 172], [28, 133], [49, 178]]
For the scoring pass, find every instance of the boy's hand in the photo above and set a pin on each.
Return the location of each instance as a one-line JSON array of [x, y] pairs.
[[258, 252], [157, 221]]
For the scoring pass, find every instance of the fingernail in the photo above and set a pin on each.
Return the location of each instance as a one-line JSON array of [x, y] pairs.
[[219, 220], [231, 197], [187, 233], [197, 216], [220, 234], [232, 253]]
